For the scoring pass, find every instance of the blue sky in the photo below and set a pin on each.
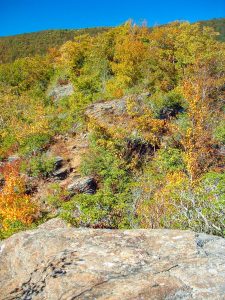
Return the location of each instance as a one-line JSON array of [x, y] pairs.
[[20, 16]]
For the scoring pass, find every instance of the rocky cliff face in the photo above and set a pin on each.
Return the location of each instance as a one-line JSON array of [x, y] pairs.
[[58, 262]]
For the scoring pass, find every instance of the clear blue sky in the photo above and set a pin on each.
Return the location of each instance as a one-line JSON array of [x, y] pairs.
[[19, 16]]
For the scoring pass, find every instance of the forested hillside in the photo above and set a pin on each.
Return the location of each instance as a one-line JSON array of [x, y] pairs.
[[218, 25], [28, 44], [23, 45], [124, 129]]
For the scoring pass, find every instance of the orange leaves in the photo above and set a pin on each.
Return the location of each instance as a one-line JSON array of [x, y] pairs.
[[118, 93], [15, 205]]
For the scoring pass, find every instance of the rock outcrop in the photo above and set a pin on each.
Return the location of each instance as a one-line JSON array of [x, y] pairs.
[[61, 90], [86, 185], [58, 262], [115, 116]]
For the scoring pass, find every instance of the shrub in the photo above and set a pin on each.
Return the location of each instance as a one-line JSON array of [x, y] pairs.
[[11, 228], [104, 161], [102, 210], [68, 111], [40, 165], [24, 124], [201, 208], [27, 73], [219, 133], [16, 208], [56, 195], [166, 105], [180, 126], [33, 143], [111, 206], [169, 159], [177, 202]]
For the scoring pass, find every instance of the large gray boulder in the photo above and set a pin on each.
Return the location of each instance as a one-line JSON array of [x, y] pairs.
[[58, 262]]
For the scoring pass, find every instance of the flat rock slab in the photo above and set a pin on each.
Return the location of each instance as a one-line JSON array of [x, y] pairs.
[[59, 262]]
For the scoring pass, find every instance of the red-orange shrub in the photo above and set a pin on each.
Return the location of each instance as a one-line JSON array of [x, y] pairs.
[[15, 205]]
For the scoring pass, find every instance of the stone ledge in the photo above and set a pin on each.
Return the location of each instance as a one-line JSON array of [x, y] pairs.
[[57, 262]]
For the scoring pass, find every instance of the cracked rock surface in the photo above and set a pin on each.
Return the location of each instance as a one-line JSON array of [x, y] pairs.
[[59, 262]]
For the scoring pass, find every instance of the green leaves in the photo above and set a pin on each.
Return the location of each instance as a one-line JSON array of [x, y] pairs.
[[169, 160], [110, 207], [40, 165], [219, 133], [167, 105]]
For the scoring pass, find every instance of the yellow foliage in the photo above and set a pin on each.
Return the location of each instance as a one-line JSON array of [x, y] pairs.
[[160, 201], [21, 117]]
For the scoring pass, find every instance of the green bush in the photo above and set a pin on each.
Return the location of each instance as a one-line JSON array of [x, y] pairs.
[[56, 195], [103, 161], [166, 105], [182, 123], [219, 133], [6, 144], [26, 73], [40, 165], [33, 143], [111, 206], [102, 210], [17, 226], [13, 227], [171, 200], [169, 159]]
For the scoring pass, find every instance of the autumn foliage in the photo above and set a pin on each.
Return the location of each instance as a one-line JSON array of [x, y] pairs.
[[15, 205], [160, 162]]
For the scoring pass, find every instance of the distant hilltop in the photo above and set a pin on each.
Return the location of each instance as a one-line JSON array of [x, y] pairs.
[[29, 44]]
